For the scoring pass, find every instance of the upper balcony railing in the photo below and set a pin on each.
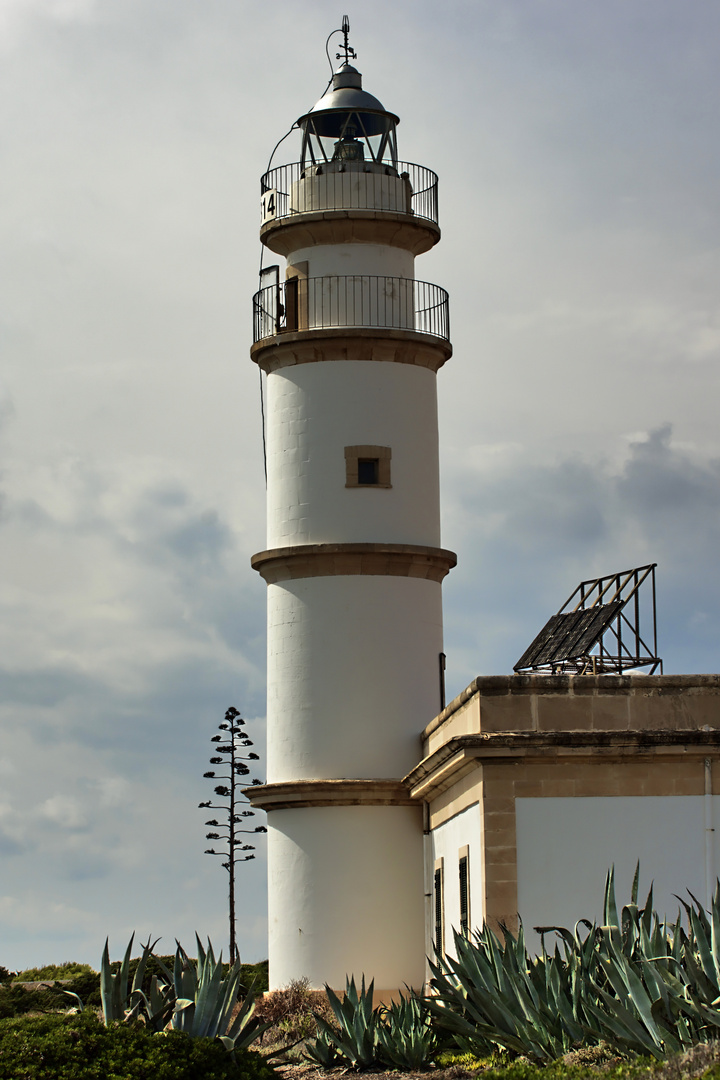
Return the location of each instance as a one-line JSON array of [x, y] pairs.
[[293, 189], [360, 300]]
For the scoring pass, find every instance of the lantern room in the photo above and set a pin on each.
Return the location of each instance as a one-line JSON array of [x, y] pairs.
[[348, 127]]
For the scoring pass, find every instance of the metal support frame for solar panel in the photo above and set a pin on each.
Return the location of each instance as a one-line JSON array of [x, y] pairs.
[[597, 630]]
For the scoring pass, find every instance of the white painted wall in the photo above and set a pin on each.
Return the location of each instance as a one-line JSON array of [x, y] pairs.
[[331, 189], [447, 840], [345, 895], [566, 845], [313, 412], [353, 675], [354, 259]]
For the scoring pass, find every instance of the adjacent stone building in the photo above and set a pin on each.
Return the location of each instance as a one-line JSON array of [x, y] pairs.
[[534, 785]]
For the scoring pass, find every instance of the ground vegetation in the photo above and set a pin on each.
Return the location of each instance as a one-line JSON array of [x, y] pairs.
[[81, 1047]]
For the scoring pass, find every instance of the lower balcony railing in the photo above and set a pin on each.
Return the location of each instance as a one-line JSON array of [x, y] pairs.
[[360, 300]]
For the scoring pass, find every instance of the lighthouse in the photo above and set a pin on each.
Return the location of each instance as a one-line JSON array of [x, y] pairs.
[[350, 342]]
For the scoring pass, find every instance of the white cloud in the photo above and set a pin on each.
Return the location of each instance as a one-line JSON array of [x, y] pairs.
[[15, 15], [114, 791], [64, 812]]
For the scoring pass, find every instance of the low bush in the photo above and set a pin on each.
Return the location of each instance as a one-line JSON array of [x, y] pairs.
[[53, 972], [17, 1000], [83, 981], [291, 1014], [80, 1047], [255, 975], [702, 1060]]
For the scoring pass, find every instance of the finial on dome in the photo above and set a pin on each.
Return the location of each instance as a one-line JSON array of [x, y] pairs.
[[347, 50]]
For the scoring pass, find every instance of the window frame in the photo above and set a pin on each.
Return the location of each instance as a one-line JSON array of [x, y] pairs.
[[381, 454]]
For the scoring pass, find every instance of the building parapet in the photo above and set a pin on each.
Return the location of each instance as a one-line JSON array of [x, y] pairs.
[[564, 703]]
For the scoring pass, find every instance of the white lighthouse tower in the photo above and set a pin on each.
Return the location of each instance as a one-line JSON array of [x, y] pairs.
[[351, 343]]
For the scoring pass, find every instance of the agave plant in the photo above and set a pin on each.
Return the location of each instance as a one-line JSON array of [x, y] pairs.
[[122, 1004], [194, 997], [493, 995], [645, 977], [323, 1051], [635, 982], [399, 1036], [205, 1000], [406, 1038], [355, 1040]]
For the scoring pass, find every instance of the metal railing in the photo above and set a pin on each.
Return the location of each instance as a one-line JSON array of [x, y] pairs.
[[360, 300], [404, 188]]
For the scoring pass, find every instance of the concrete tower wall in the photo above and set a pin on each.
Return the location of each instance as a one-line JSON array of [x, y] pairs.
[[352, 673], [339, 877], [351, 188], [354, 259], [314, 412]]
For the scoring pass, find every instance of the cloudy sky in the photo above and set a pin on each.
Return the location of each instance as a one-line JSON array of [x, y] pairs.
[[578, 156]]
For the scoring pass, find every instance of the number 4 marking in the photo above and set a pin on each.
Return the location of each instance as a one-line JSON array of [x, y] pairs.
[[268, 205]]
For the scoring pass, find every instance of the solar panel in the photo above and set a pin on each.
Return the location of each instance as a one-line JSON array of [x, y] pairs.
[[612, 628], [570, 635]]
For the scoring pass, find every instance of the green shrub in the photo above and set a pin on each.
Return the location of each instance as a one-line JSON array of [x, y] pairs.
[[53, 972], [80, 1047], [291, 1014], [17, 1000], [256, 974], [87, 988]]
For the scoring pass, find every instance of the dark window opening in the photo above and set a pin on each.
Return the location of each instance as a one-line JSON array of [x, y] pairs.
[[291, 304], [368, 470], [367, 466], [439, 911], [464, 905]]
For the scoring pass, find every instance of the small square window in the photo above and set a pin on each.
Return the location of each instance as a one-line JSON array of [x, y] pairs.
[[368, 470], [367, 466]]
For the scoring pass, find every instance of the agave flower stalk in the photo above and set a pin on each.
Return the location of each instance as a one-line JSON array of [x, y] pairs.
[[229, 752]]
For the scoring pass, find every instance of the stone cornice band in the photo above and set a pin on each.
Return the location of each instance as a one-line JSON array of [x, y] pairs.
[[296, 793], [353, 226], [346, 560], [386, 345], [464, 753]]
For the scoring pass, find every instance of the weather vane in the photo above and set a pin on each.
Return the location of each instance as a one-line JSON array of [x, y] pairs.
[[349, 52]]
